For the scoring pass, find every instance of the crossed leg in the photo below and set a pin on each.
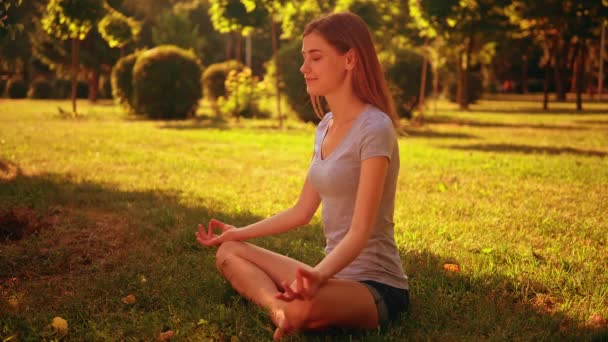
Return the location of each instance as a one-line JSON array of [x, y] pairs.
[[257, 273]]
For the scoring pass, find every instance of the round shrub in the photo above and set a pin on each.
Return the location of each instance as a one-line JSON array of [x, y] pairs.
[[475, 88], [82, 89], [17, 88], [40, 89], [167, 83], [62, 89], [122, 81], [214, 78], [404, 78], [2, 86], [106, 88], [292, 82]]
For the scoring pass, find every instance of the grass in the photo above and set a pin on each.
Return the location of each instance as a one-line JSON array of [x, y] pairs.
[[515, 196]]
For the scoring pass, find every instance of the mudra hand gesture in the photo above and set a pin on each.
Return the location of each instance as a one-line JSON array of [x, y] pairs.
[[209, 238], [304, 287]]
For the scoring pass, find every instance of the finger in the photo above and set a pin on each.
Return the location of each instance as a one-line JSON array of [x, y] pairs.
[[201, 230], [299, 283], [289, 291], [213, 223]]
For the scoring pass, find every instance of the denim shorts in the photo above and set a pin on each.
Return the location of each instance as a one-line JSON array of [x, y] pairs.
[[391, 301]]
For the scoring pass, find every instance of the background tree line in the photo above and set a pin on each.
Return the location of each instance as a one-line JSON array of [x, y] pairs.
[[461, 48]]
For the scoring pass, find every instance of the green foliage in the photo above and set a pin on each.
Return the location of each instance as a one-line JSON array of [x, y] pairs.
[[40, 89], [292, 82], [242, 92], [8, 27], [475, 88], [237, 16], [16, 88], [404, 77], [167, 83], [71, 19], [175, 28], [214, 78], [122, 81], [117, 29]]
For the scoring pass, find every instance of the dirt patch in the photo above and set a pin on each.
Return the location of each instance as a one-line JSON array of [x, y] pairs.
[[18, 223]]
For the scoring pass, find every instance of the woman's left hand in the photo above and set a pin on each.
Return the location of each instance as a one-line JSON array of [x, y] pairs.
[[304, 287]]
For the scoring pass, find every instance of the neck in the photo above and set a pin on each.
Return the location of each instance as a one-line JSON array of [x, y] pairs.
[[344, 104]]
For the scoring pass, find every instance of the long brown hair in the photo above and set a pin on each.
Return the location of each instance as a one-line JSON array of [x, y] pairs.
[[345, 31]]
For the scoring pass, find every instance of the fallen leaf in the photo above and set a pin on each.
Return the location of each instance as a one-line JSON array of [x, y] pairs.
[[130, 299], [451, 268], [60, 325], [166, 336], [596, 320]]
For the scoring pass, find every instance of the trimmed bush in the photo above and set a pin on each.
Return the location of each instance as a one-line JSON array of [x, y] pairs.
[[243, 89], [404, 78], [82, 90], [2, 86], [167, 83], [214, 78], [40, 89], [475, 88], [17, 88], [106, 88], [292, 82], [122, 81]]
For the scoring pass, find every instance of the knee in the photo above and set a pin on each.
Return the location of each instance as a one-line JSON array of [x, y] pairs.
[[225, 251]]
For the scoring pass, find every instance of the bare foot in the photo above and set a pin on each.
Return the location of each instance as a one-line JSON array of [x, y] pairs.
[[279, 319]]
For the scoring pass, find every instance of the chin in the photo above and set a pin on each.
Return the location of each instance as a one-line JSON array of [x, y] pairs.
[[312, 91]]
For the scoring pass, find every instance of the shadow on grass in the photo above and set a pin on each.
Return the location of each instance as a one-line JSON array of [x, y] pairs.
[[427, 133], [439, 119], [526, 149], [532, 110], [177, 287]]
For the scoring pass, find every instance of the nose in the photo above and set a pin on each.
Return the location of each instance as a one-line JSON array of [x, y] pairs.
[[304, 68]]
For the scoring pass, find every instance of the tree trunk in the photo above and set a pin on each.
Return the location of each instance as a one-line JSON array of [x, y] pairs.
[[229, 46], [425, 63], [559, 69], [580, 79], [547, 80], [237, 44], [460, 79], [466, 75], [93, 81], [75, 58], [524, 74], [273, 30]]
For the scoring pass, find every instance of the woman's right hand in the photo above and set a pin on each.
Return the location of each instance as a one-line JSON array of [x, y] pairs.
[[209, 238]]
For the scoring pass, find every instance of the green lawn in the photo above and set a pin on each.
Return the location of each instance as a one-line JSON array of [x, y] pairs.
[[516, 197]]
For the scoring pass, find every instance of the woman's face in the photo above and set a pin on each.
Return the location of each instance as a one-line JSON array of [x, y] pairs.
[[324, 69]]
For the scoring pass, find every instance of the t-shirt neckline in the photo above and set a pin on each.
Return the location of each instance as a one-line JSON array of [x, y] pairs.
[[346, 136]]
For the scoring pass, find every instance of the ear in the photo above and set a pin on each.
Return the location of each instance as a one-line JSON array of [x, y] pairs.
[[351, 59]]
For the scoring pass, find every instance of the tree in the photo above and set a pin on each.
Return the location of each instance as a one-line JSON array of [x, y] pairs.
[[118, 30], [72, 20]]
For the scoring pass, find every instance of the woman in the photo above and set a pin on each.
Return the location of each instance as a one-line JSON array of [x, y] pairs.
[[360, 283]]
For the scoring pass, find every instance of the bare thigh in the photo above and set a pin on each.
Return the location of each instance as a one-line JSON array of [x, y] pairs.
[[278, 267], [341, 303]]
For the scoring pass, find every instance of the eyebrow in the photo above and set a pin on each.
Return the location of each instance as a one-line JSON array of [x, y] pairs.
[[311, 51]]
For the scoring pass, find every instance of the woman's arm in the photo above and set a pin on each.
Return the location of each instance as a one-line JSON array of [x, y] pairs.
[[298, 215], [369, 194]]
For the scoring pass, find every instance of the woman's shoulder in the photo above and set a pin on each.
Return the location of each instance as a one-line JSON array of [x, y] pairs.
[[375, 119]]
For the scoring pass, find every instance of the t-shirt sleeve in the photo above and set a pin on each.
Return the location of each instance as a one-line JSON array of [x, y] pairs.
[[378, 140]]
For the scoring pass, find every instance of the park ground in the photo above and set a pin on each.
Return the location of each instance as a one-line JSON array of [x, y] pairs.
[[98, 216]]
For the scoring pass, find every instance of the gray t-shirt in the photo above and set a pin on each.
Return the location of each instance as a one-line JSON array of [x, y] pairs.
[[336, 179]]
